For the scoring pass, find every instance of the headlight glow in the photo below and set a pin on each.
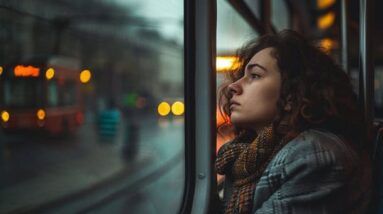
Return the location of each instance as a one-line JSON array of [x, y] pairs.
[[5, 116], [40, 114]]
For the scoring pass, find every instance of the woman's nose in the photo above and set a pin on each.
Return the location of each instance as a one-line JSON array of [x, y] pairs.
[[234, 88]]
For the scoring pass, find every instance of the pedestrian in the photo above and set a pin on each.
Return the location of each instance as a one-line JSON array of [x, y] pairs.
[[298, 145], [109, 121]]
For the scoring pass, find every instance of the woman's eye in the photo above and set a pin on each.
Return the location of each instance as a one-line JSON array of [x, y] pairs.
[[255, 76]]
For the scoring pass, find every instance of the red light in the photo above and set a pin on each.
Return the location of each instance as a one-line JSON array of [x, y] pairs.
[[79, 118], [141, 102]]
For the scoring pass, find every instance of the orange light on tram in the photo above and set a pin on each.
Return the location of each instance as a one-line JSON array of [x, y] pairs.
[[178, 108], [327, 44], [323, 4], [1, 70], [326, 20], [40, 114], [85, 76], [163, 109], [227, 63], [26, 71], [5, 116], [50, 73]]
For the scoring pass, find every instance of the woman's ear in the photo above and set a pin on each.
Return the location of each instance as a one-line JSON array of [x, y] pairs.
[[288, 105]]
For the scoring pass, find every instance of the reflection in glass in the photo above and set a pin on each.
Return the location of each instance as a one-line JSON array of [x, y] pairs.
[[86, 124]]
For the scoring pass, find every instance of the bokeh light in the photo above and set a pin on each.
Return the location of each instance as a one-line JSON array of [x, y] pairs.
[[163, 108], [85, 76]]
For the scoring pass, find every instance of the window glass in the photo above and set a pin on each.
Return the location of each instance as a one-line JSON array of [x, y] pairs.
[[22, 93], [232, 30], [280, 15], [7, 93], [52, 93], [254, 6], [67, 91], [88, 134]]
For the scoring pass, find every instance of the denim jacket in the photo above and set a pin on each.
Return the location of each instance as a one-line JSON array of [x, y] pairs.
[[316, 172]]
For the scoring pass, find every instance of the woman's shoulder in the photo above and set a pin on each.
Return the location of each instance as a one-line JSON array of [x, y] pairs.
[[318, 146], [317, 168]]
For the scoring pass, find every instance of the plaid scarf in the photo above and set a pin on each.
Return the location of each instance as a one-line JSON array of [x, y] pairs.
[[245, 163]]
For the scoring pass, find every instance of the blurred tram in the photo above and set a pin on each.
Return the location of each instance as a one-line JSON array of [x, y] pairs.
[[42, 93]]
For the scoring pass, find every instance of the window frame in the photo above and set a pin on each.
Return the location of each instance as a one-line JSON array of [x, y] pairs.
[[200, 194]]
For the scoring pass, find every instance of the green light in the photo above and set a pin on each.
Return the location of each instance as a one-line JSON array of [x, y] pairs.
[[130, 100]]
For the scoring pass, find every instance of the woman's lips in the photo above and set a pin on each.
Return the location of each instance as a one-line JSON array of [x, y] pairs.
[[233, 105]]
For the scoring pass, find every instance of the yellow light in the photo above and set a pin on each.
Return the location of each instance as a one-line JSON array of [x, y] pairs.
[[227, 63], [178, 108], [1, 70], [327, 44], [163, 109], [50, 73], [25, 71], [322, 4], [85, 76], [40, 114], [5, 116], [326, 20]]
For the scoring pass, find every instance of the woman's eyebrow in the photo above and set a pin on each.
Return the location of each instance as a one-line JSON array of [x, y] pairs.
[[250, 66]]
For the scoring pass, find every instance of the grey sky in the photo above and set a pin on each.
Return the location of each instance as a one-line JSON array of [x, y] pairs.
[[167, 15]]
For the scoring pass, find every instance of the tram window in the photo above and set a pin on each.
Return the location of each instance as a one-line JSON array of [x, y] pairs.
[[7, 93], [280, 15], [88, 135], [255, 7], [67, 93], [22, 93], [52, 94], [232, 29]]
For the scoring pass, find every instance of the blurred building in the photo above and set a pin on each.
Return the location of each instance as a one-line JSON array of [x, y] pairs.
[[123, 52]]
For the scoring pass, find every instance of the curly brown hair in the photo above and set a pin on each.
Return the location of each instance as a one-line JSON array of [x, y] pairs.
[[318, 90]]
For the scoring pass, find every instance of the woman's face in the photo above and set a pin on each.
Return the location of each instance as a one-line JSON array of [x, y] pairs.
[[255, 95]]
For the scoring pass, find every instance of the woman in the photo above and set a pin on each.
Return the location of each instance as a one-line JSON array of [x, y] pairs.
[[298, 132]]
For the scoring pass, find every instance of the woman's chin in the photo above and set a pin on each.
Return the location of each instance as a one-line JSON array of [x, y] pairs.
[[242, 123], [237, 122]]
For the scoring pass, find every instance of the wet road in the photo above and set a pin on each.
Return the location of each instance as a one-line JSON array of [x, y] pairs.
[[84, 174]]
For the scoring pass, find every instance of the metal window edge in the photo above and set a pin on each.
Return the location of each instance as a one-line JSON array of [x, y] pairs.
[[200, 89]]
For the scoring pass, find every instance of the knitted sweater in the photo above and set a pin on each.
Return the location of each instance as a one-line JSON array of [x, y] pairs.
[[316, 172]]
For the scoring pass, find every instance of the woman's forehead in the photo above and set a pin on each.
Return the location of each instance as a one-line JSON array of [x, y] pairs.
[[264, 54], [264, 58]]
